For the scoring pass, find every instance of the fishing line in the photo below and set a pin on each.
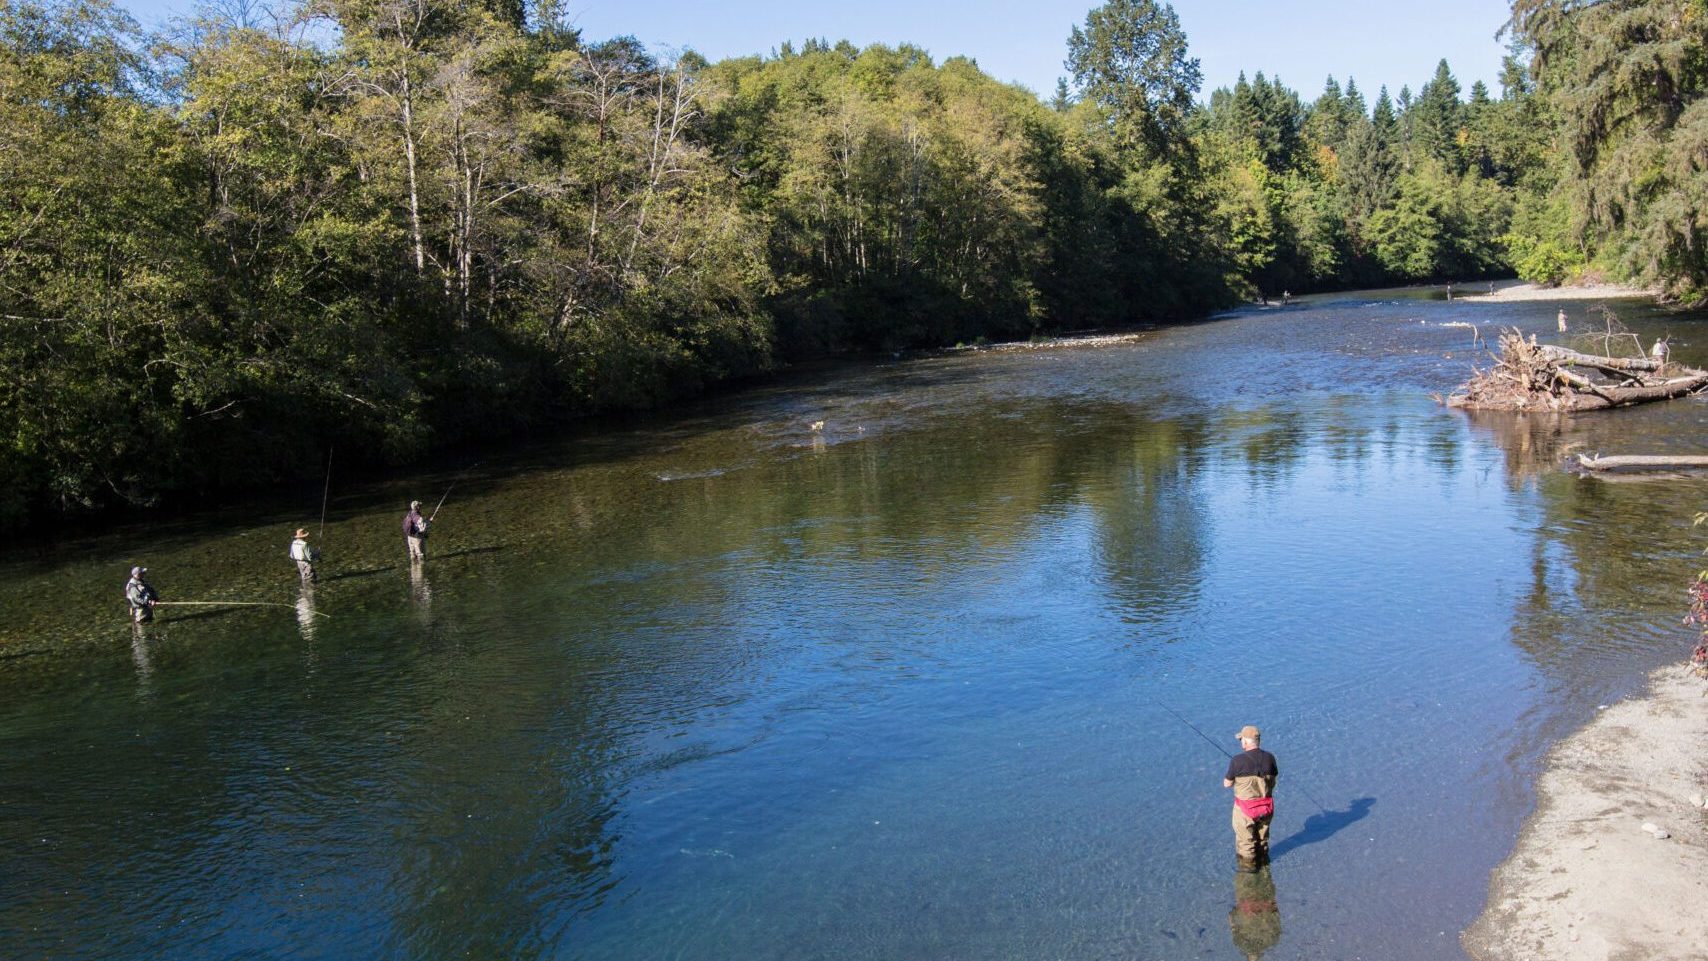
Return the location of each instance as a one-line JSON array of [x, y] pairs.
[[1207, 739], [326, 494], [1195, 730], [291, 607], [448, 490]]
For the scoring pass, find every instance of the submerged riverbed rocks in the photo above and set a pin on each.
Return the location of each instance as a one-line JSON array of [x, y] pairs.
[[1613, 863]]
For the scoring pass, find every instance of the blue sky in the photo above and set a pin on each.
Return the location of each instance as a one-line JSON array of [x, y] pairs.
[[1374, 41]]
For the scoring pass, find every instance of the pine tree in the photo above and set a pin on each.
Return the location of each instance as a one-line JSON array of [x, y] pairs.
[[1439, 118]]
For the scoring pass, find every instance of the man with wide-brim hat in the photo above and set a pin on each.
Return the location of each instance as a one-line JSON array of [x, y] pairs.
[[304, 555], [1252, 774]]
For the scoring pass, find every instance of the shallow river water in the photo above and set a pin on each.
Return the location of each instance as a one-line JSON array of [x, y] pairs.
[[916, 684]]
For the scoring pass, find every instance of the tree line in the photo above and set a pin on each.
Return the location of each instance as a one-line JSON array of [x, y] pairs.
[[390, 226]]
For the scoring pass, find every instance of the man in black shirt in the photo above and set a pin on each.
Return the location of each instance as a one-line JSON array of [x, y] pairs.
[[1252, 775]]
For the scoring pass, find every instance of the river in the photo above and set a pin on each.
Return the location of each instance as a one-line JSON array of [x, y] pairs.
[[724, 684]]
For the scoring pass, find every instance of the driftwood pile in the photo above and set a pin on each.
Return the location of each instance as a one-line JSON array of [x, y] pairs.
[[1528, 376]]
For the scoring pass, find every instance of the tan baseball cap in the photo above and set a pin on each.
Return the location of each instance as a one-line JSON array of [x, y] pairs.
[[1249, 731]]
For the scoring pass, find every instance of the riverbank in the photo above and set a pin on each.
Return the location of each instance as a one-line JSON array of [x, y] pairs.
[[1586, 881], [1524, 293]]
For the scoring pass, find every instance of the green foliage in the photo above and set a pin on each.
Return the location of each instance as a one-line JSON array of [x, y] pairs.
[[1130, 59], [1327, 196], [1629, 83], [1541, 243], [223, 251], [1437, 120]]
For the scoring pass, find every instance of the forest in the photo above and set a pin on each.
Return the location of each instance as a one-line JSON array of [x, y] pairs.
[[387, 227]]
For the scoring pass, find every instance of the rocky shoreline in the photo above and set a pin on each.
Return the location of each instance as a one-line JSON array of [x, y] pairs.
[[1514, 293], [1613, 862]]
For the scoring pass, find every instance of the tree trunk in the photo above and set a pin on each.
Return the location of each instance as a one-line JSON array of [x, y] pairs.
[[1606, 397], [1565, 355], [409, 158], [1642, 460]]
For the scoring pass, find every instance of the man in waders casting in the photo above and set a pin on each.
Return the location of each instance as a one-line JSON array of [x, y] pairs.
[[415, 532], [304, 555], [141, 596], [1252, 775]]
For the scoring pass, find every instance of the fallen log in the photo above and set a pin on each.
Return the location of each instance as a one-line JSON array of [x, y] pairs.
[[1605, 397], [1565, 355], [1582, 383], [1528, 376], [1617, 461]]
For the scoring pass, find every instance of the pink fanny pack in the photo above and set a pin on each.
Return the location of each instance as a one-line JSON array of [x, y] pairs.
[[1257, 807]]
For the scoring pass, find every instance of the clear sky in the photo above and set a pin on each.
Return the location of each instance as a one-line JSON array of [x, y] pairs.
[[1375, 41]]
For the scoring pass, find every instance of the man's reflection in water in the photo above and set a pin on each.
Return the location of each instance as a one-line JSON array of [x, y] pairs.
[[305, 612], [142, 657], [421, 592], [1256, 918], [305, 624]]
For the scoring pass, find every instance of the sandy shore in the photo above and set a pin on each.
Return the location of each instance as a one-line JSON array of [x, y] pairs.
[[1586, 881], [1516, 293]]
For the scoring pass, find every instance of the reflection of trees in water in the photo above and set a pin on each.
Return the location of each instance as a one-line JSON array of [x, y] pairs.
[[1149, 517], [495, 788], [1609, 556], [1269, 440], [1533, 444]]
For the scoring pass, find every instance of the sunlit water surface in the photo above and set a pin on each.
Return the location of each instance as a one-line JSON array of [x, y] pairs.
[[725, 686]]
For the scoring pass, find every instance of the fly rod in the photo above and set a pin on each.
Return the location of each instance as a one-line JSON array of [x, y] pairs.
[[1320, 806], [292, 607], [441, 501], [1195, 730], [326, 494], [448, 490]]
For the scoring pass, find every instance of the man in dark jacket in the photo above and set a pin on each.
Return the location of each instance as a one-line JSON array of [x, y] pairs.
[[141, 596], [415, 532], [1252, 775]]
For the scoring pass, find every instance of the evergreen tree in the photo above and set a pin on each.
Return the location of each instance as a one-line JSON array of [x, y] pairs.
[[1354, 100], [1437, 118], [1330, 116], [1629, 83], [1384, 120]]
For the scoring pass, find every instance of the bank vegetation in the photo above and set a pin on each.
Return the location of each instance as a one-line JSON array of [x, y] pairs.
[[391, 226]]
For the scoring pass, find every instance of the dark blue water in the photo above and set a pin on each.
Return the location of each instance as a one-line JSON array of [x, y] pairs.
[[729, 686]]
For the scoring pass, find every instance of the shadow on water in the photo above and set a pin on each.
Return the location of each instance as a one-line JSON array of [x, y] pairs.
[[1321, 827], [362, 572], [467, 551]]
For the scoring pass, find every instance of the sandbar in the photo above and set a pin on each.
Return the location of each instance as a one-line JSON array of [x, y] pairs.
[[1586, 881]]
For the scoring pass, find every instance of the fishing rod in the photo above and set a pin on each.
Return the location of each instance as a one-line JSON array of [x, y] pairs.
[[1308, 796], [1195, 730], [326, 494], [449, 489], [442, 500], [235, 604]]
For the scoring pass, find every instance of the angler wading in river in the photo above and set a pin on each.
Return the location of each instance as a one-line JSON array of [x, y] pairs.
[[415, 532], [1252, 775], [141, 596], [304, 555]]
